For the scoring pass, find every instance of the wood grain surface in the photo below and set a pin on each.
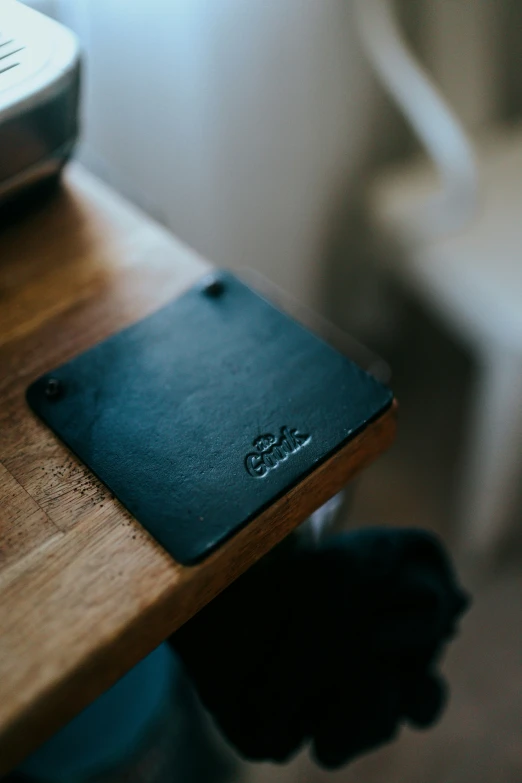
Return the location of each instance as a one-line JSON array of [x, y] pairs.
[[85, 592]]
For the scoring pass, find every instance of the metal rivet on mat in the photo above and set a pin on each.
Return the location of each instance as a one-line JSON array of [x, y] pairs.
[[213, 286], [53, 389]]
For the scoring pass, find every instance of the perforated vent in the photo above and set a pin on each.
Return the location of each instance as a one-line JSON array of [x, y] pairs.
[[11, 53]]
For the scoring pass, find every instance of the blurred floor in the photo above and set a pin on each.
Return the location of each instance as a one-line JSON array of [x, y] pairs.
[[479, 739]]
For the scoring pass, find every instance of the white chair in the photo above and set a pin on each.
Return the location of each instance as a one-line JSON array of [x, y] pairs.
[[473, 280]]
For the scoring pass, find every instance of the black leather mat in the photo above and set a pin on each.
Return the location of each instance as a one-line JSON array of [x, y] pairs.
[[204, 413]]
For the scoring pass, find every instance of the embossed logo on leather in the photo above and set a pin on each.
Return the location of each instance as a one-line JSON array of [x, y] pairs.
[[272, 451]]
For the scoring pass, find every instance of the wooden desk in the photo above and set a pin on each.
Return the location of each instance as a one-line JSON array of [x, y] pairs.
[[85, 592]]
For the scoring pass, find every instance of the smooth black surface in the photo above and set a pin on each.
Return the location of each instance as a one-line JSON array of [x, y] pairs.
[[173, 413]]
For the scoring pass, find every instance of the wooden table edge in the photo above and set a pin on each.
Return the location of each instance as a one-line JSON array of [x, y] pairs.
[[63, 700]]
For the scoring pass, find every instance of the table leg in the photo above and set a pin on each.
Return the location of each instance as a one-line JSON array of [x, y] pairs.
[[493, 461]]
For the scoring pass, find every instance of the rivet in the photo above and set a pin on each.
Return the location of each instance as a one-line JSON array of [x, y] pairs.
[[53, 389], [213, 286]]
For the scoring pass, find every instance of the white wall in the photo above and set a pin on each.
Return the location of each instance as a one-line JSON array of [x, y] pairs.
[[233, 121]]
